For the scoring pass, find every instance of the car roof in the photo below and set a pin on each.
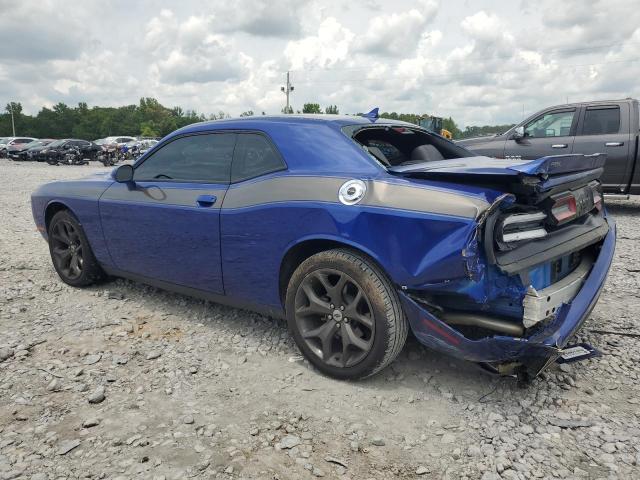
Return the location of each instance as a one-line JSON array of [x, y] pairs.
[[291, 119]]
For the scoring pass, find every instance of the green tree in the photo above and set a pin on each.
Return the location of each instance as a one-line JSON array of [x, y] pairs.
[[287, 110], [311, 108], [332, 110], [15, 107], [20, 121], [248, 113], [147, 130]]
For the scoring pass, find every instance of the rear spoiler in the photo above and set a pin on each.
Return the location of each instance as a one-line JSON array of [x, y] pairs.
[[558, 164], [543, 174]]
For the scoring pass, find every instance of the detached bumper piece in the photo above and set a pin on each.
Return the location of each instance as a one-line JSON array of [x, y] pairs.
[[529, 354], [539, 305]]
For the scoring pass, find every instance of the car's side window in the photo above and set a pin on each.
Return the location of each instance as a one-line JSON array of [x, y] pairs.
[[195, 158], [254, 156], [551, 124], [601, 121]]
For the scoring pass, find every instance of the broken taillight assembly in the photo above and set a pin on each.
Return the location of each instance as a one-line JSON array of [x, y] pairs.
[[596, 191], [520, 227], [564, 209]]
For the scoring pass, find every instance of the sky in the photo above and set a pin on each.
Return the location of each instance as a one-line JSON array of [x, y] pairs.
[[480, 62]]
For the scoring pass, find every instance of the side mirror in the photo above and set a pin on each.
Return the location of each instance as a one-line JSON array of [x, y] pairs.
[[518, 133], [124, 174]]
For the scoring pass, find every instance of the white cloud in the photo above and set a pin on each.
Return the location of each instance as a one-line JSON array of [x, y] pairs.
[[190, 52], [267, 18], [398, 34], [38, 31], [325, 49]]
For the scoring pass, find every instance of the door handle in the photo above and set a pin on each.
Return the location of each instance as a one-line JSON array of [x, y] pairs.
[[206, 200], [614, 144], [559, 145]]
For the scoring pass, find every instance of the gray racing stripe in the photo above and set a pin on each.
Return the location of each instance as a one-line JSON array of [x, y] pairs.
[[407, 197], [158, 194], [282, 189], [379, 194]]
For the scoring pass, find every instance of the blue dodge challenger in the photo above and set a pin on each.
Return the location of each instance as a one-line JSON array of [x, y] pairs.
[[356, 230]]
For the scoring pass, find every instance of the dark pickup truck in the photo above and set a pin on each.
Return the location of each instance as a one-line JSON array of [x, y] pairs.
[[610, 127]]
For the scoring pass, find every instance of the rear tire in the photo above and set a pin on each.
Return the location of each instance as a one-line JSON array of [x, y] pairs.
[[71, 253], [345, 314]]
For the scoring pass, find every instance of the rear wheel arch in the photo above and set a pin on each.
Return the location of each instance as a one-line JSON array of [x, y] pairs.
[[299, 252]]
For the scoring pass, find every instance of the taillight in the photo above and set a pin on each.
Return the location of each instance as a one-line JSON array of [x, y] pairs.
[[564, 209], [521, 226], [597, 197]]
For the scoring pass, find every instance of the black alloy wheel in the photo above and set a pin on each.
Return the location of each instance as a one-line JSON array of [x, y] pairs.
[[335, 318], [345, 314], [66, 249], [71, 253]]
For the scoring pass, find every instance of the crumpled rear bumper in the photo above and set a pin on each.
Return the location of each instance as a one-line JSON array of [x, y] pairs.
[[533, 352]]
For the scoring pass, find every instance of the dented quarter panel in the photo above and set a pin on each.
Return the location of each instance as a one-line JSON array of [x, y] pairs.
[[438, 335]]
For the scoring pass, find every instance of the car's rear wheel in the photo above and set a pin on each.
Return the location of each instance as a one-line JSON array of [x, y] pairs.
[[345, 314], [71, 253]]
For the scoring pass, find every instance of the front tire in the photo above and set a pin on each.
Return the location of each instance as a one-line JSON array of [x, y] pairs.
[[71, 253], [345, 314]]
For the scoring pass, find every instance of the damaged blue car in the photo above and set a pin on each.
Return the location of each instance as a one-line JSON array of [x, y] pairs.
[[356, 230]]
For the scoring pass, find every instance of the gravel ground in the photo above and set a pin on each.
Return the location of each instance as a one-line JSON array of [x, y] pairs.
[[125, 381]]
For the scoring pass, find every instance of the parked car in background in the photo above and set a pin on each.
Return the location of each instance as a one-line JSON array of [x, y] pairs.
[[33, 153], [21, 151], [119, 140], [9, 142], [356, 231], [611, 127], [56, 150]]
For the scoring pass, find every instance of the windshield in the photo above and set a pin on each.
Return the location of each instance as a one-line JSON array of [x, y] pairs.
[[35, 143], [57, 143]]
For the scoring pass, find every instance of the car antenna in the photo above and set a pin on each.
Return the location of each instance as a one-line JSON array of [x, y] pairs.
[[372, 115]]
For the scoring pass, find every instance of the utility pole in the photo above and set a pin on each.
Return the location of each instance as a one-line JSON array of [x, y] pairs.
[[13, 125], [288, 89]]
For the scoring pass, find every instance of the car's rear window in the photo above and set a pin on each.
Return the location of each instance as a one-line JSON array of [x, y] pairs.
[[393, 145]]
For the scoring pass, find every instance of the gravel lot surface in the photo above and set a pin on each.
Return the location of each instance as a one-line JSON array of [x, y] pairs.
[[124, 381]]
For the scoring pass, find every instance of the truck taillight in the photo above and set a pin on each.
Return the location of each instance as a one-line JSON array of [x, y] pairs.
[[564, 209], [597, 197]]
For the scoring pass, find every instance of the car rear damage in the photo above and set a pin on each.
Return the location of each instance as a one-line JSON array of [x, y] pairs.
[[535, 263]]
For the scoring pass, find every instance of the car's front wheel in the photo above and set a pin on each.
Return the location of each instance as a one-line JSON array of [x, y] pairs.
[[71, 253], [345, 314]]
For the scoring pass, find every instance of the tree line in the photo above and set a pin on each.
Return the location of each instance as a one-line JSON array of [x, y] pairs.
[[149, 118]]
